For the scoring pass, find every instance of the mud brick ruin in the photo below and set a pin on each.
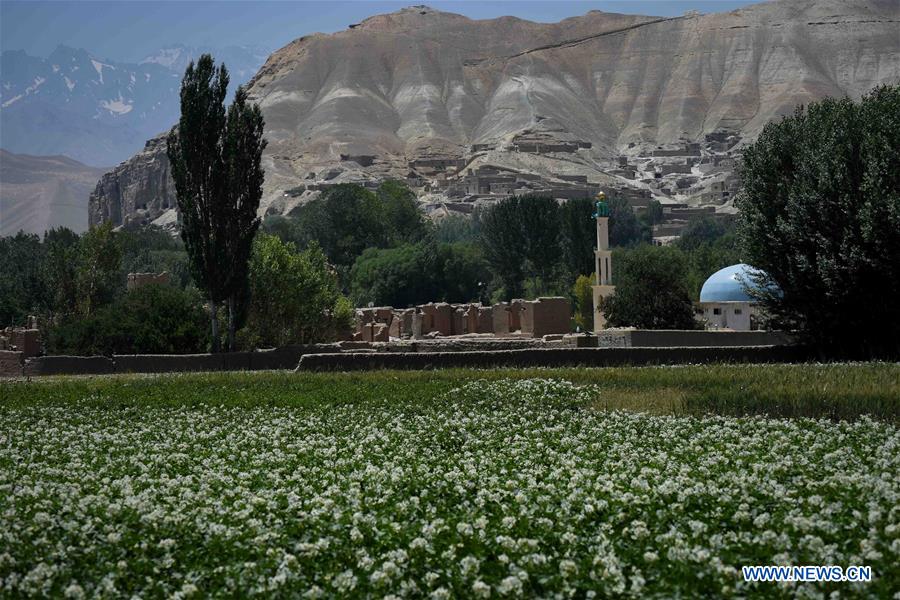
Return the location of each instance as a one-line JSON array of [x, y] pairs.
[[136, 280], [518, 318]]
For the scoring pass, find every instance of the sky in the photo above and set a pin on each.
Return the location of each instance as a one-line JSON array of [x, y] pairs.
[[127, 31]]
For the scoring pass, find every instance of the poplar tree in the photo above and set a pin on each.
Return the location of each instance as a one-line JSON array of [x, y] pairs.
[[215, 162]]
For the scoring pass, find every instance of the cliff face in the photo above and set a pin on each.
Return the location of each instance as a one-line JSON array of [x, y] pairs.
[[138, 191], [428, 96]]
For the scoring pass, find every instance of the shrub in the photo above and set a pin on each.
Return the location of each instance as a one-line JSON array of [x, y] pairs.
[[153, 319]]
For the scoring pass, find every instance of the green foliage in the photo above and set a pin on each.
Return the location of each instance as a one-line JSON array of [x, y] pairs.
[[294, 297], [651, 292], [537, 246], [194, 150], [705, 230], [347, 219], [578, 236], [60, 269], [418, 273], [458, 228], [653, 214], [98, 278], [215, 161], [399, 277], [151, 250], [820, 215], [404, 221], [502, 239], [625, 229], [22, 283], [708, 246], [583, 293], [464, 273], [152, 319]]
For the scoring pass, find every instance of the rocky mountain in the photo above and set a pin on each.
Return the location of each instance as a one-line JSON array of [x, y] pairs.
[[41, 192], [98, 111], [467, 111]]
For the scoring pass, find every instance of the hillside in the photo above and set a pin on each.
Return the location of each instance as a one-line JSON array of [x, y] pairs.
[[41, 192], [468, 110]]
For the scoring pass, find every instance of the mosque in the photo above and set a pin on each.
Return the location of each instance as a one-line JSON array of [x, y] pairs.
[[724, 299], [725, 302]]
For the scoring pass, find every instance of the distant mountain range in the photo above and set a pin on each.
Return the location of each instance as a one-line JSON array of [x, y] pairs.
[[99, 111], [42, 192]]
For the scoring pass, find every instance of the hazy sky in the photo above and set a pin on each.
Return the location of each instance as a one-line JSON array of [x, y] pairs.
[[128, 31]]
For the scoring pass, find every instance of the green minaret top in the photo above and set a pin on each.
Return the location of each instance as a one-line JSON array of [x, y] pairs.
[[601, 208]]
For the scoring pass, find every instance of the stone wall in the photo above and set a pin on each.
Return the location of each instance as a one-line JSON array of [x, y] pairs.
[[668, 338], [479, 350], [547, 357], [11, 363], [68, 365]]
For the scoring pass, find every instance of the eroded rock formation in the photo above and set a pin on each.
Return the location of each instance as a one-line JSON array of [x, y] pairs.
[[599, 100]]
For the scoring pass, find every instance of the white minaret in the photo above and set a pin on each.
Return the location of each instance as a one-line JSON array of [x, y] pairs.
[[603, 258]]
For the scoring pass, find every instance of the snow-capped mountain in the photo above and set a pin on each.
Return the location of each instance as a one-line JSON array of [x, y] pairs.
[[242, 61], [98, 111]]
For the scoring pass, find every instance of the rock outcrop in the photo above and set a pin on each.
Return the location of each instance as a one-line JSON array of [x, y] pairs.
[[138, 191], [449, 103]]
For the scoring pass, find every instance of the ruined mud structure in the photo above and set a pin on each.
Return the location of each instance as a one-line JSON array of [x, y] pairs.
[[517, 318]]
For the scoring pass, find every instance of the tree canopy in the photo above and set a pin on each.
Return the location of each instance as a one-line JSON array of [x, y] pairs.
[[215, 162], [294, 296], [820, 215], [651, 290]]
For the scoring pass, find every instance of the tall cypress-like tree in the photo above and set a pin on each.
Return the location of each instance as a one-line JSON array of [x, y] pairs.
[[215, 161], [243, 147]]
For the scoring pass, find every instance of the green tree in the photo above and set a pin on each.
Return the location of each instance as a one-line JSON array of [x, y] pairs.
[[820, 215], [458, 228], [215, 161], [625, 229], [583, 293], [501, 239], [403, 219], [401, 276], [651, 292], [152, 319], [243, 147], [194, 150], [149, 249], [22, 285], [578, 236], [97, 278], [705, 230], [61, 259], [539, 226], [294, 297], [464, 273], [345, 220]]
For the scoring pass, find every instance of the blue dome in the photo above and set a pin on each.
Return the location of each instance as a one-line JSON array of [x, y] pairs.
[[727, 285]]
